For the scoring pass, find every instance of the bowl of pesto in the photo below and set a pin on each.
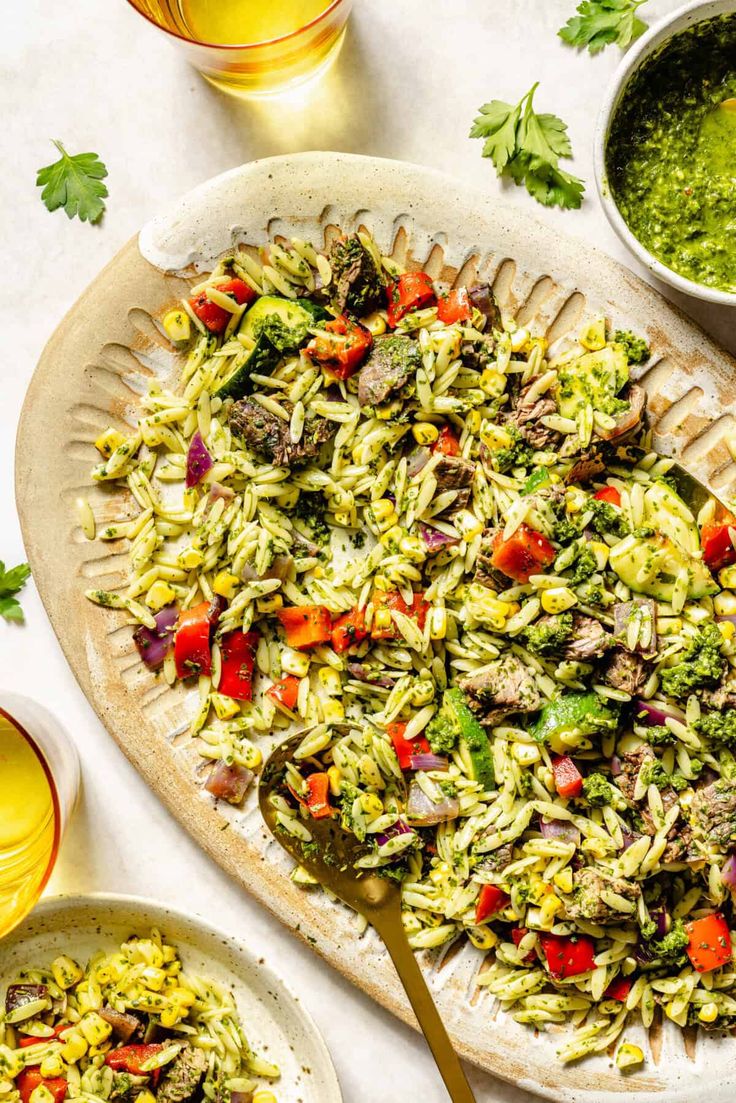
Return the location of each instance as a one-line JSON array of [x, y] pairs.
[[666, 150]]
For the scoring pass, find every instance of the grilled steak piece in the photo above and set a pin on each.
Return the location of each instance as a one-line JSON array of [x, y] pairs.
[[506, 686], [631, 764], [391, 365], [485, 573], [625, 671], [125, 1025], [623, 614], [714, 813], [591, 896], [453, 473], [722, 698], [182, 1077], [357, 285], [18, 995], [268, 435], [483, 299], [497, 859], [526, 416], [585, 468], [589, 639]]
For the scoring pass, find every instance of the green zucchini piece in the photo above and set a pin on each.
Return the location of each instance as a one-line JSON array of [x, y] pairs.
[[581, 714], [472, 738], [262, 360], [650, 565]]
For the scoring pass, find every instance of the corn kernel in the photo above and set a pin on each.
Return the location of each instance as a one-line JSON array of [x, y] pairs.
[[727, 629], [493, 382], [519, 338], [483, 938], [160, 594], [494, 437], [264, 1097], [601, 552], [177, 325], [575, 500], [708, 1013], [153, 978], [526, 753], [94, 1028], [225, 707], [344, 517], [382, 618], [388, 410], [371, 805], [226, 584], [467, 524], [74, 1048], [270, 603], [190, 558], [170, 1016], [413, 549], [319, 571], [145, 1096], [724, 604], [382, 509], [295, 662], [335, 776], [628, 1055], [52, 1066], [727, 578], [558, 599], [108, 441], [424, 432], [440, 872], [11, 1064], [551, 905], [183, 996], [65, 971], [329, 679], [593, 337], [41, 1094], [375, 323], [472, 422], [332, 711], [437, 623], [563, 880]]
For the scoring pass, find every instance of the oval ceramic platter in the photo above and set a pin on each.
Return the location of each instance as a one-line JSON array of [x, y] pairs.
[[107, 351], [273, 1020]]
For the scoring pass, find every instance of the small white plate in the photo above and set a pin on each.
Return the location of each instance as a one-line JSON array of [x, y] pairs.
[[275, 1023]]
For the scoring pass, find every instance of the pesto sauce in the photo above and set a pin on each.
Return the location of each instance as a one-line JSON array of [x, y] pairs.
[[671, 154]]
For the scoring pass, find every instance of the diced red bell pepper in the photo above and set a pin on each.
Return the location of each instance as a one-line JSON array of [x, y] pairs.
[[29, 1040], [447, 443], [516, 936], [215, 317], [412, 291], [238, 651], [348, 630], [568, 956], [306, 625], [525, 553], [317, 797], [30, 1078], [618, 989], [709, 944], [406, 748], [608, 494], [131, 1058], [455, 306], [716, 542], [343, 351], [285, 692], [491, 900], [568, 779], [393, 600], [192, 651]]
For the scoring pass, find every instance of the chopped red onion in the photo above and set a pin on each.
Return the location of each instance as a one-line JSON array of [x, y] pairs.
[[662, 920], [401, 827], [425, 812], [616, 767], [199, 461], [154, 643], [427, 762], [654, 713], [417, 459], [728, 871], [731, 617], [628, 838], [559, 829], [217, 490], [362, 673], [434, 539], [229, 782]]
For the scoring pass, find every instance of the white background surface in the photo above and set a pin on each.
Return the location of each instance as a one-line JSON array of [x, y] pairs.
[[95, 75]]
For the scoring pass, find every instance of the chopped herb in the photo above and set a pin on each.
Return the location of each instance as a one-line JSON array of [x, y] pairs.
[[599, 23], [74, 183], [11, 583]]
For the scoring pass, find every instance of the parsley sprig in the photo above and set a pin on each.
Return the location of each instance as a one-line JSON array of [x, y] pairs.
[[74, 183], [601, 22], [11, 582], [526, 147]]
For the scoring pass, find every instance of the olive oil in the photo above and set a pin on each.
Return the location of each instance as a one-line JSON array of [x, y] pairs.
[[243, 22], [29, 824]]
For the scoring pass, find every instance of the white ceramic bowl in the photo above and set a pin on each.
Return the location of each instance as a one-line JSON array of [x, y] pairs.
[[680, 20]]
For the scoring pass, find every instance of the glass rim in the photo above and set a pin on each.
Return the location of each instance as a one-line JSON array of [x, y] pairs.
[[235, 45], [54, 795]]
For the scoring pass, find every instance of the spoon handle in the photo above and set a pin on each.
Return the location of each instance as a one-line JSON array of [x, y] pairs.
[[390, 928]]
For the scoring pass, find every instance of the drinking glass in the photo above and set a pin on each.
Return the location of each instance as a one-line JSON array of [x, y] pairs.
[[258, 68], [39, 783]]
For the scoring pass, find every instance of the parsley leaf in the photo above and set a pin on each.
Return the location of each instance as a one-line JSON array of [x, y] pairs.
[[74, 183], [526, 147], [10, 583], [601, 22]]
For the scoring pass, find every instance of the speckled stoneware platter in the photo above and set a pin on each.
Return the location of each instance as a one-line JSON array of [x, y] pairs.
[[274, 1022], [106, 352]]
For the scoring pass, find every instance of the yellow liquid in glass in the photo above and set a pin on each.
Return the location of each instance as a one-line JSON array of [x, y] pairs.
[[243, 22], [28, 834]]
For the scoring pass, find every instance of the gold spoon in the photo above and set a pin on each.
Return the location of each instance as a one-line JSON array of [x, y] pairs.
[[331, 858]]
